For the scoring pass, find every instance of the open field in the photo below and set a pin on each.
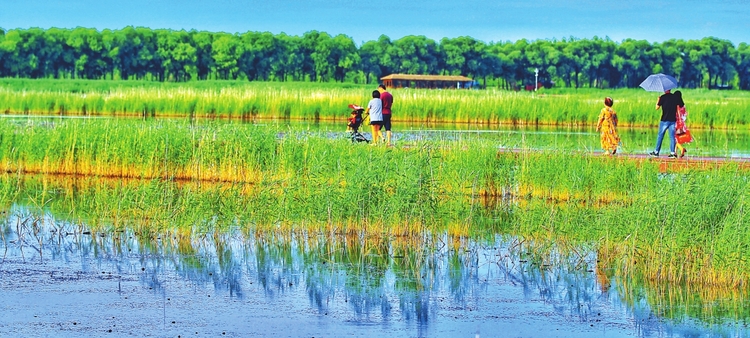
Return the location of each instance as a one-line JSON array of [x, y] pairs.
[[323, 101]]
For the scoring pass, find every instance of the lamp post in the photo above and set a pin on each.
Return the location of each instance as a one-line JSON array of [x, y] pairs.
[[536, 79]]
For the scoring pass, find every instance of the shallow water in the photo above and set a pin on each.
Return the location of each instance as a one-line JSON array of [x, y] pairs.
[[59, 279], [708, 142]]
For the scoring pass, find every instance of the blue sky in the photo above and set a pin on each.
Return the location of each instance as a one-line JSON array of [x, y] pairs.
[[655, 21]]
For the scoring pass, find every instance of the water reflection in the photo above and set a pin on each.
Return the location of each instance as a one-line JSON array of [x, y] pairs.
[[425, 280]]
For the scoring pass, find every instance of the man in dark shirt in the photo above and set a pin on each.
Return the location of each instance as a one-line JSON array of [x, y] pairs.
[[668, 103], [387, 100]]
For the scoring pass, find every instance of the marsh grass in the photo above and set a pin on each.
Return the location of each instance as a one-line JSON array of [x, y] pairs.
[[311, 101], [681, 227]]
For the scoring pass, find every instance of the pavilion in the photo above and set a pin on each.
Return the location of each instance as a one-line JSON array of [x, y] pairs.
[[427, 81]]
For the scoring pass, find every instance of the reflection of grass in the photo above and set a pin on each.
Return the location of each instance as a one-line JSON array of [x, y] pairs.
[[360, 264], [237, 99], [711, 305]]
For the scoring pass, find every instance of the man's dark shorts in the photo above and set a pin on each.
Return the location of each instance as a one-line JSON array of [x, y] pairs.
[[387, 122], [376, 123]]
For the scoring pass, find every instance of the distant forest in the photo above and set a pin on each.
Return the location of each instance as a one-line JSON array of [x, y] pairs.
[[170, 55]]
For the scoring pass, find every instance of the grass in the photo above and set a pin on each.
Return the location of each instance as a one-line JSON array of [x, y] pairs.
[[310, 101], [688, 225]]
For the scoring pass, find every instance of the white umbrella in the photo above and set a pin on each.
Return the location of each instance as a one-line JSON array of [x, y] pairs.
[[659, 83]]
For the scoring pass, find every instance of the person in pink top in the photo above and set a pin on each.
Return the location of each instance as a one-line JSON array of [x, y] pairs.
[[387, 100], [682, 134]]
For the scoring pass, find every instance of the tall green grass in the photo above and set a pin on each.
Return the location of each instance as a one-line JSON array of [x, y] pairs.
[[272, 100]]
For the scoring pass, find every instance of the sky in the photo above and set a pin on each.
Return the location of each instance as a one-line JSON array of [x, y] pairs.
[[488, 21]]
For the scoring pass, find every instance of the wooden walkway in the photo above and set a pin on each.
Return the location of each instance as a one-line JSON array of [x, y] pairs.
[[667, 164], [693, 162]]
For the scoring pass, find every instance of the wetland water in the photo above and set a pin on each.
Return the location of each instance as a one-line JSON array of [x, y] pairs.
[[63, 274], [59, 279]]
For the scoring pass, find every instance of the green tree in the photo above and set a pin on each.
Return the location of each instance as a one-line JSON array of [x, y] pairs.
[[307, 48], [2, 54], [414, 55], [203, 43], [91, 53], [177, 54], [470, 57], [635, 60], [721, 60], [146, 62], [343, 57], [541, 55], [226, 51], [743, 65], [19, 61], [323, 63], [290, 60], [375, 59], [513, 62], [601, 70], [331, 57], [264, 55]]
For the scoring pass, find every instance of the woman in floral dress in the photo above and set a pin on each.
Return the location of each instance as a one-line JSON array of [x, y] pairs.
[[682, 134], [607, 125]]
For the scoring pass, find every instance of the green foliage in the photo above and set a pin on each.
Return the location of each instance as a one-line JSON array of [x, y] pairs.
[[169, 55]]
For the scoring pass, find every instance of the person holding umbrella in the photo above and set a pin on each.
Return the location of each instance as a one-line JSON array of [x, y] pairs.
[[668, 103]]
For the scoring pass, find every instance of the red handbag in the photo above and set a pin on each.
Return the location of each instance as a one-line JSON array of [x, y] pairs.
[[684, 137]]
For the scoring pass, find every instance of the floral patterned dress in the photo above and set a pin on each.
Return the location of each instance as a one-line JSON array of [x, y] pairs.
[[607, 125], [680, 128]]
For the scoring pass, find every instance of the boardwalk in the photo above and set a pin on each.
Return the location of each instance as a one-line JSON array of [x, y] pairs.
[[690, 162], [667, 164]]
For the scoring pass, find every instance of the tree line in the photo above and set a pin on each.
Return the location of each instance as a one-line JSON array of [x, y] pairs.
[[170, 55]]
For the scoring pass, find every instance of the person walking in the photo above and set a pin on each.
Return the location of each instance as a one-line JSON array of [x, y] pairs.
[[668, 103], [682, 134], [375, 109], [387, 99], [608, 126]]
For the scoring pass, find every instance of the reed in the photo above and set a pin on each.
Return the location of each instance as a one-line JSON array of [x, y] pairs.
[[311, 101]]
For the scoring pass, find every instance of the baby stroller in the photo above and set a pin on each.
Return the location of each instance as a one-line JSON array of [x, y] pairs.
[[355, 121]]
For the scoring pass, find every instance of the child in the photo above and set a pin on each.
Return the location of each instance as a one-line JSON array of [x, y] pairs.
[[352, 121], [607, 125]]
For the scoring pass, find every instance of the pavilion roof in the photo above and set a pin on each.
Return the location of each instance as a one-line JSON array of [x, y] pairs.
[[417, 77]]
